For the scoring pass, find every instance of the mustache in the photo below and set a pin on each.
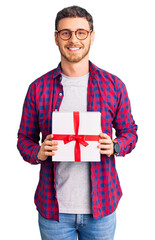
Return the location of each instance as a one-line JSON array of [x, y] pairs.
[[74, 46]]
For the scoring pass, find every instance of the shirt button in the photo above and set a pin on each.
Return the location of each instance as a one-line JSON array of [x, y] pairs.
[[60, 94]]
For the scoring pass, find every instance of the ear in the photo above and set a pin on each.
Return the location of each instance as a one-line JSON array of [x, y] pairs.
[[92, 37], [56, 38]]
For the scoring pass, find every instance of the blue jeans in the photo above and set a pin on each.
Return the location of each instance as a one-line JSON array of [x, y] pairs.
[[82, 225]]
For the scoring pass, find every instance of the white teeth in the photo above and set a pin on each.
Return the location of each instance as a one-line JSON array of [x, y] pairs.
[[74, 48]]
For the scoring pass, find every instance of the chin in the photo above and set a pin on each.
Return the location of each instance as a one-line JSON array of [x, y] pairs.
[[75, 59]]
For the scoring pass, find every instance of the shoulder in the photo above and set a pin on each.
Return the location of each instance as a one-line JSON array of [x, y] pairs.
[[44, 79], [41, 84], [104, 77]]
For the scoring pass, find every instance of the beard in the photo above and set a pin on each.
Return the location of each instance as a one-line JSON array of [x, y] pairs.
[[74, 57]]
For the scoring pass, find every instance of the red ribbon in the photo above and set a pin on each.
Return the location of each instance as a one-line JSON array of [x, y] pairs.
[[80, 139]]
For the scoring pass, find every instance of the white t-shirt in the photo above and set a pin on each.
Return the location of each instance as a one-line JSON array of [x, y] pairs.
[[73, 179]]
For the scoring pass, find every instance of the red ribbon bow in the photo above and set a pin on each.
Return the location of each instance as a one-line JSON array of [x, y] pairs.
[[80, 139]]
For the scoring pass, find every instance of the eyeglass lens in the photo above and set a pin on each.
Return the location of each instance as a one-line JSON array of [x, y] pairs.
[[80, 34]]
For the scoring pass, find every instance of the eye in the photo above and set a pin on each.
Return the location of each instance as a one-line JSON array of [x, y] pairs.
[[81, 32], [65, 33]]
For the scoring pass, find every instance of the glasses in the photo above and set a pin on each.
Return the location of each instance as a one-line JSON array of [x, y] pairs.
[[66, 34]]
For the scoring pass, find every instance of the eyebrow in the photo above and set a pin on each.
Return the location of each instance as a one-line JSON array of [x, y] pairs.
[[71, 30]]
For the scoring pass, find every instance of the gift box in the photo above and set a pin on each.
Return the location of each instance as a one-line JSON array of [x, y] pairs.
[[77, 134]]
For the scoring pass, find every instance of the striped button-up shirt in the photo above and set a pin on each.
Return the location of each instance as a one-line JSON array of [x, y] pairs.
[[107, 94]]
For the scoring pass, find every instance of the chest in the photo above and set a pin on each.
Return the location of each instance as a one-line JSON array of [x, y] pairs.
[[97, 96]]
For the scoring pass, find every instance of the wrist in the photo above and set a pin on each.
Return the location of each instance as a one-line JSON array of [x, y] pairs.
[[40, 157], [37, 159], [116, 148]]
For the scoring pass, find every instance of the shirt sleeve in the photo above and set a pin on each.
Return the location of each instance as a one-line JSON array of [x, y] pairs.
[[28, 134], [124, 124]]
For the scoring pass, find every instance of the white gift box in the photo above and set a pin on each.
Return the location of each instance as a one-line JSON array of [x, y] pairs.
[[77, 129]]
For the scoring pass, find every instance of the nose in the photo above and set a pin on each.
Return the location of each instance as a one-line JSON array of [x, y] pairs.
[[73, 38]]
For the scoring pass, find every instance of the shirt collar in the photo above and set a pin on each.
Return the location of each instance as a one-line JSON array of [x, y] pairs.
[[92, 69], [57, 71]]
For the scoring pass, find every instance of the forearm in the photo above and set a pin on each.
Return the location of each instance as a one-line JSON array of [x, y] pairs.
[[124, 124], [28, 149], [28, 134], [127, 139]]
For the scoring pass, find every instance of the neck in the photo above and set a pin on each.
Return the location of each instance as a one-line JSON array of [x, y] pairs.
[[75, 69]]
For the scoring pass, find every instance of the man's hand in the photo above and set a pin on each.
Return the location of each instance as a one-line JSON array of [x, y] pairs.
[[47, 148], [106, 145]]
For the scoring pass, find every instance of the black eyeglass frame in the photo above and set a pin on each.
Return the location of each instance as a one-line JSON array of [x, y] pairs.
[[70, 33]]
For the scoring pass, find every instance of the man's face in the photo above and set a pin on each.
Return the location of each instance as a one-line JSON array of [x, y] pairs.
[[74, 50]]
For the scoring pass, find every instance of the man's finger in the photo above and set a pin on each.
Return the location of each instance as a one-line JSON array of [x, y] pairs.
[[50, 148], [105, 152], [101, 146], [50, 143], [48, 154], [49, 137], [104, 135], [105, 141]]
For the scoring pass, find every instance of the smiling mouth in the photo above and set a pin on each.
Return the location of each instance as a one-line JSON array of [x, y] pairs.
[[74, 49]]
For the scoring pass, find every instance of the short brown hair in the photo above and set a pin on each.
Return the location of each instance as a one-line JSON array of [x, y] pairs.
[[73, 11]]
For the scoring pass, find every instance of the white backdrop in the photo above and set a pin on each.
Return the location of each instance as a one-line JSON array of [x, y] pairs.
[[125, 46]]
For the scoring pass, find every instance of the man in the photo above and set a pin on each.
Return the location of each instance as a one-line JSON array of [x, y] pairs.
[[78, 197]]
